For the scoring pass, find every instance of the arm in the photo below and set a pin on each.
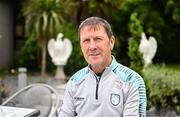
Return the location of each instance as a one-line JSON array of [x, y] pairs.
[[131, 105], [135, 104], [67, 108]]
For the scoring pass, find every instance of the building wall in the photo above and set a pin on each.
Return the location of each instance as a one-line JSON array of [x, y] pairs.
[[6, 35]]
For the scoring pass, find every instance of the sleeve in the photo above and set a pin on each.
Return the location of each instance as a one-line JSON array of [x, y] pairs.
[[142, 98], [131, 105], [135, 104], [67, 109]]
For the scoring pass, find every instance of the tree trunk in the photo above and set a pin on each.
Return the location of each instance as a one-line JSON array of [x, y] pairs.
[[43, 59], [85, 12]]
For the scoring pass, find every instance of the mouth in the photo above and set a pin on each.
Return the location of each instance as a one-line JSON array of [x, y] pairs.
[[94, 54]]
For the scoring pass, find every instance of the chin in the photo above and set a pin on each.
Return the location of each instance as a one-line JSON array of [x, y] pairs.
[[94, 60], [96, 63]]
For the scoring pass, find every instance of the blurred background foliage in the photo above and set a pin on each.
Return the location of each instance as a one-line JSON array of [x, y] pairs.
[[159, 18], [165, 86]]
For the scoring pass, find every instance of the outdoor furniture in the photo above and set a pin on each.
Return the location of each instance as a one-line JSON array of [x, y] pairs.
[[9, 111], [39, 96]]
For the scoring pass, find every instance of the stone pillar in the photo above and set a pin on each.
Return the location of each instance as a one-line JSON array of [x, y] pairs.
[[60, 73], [22, 78]]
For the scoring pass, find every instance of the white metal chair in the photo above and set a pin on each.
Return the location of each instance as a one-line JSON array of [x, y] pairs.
[[40, 96]]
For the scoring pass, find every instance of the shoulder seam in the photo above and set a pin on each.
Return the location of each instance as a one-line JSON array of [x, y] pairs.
[[79, 75]]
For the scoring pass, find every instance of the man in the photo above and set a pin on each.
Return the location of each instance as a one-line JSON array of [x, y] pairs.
[[104, 88]]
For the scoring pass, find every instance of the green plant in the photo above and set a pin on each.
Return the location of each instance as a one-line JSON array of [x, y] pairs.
[[43, 19], [2, 71], [3, 90], [165, 86], [136, 59], [29, 53]]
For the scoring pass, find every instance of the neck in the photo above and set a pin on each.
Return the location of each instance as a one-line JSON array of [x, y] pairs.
[[98, 69]]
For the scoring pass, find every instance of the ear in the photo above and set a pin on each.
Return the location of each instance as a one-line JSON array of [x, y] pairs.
[[112, 42]]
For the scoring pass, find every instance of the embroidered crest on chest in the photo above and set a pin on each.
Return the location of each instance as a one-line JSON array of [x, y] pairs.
[[115, 99]]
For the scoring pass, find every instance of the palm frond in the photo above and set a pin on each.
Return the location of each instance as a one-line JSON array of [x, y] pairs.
[[45, 21], [45, 16]]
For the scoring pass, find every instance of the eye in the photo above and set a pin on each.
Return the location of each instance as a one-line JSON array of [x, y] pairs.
[[86, 40], [98, 39]]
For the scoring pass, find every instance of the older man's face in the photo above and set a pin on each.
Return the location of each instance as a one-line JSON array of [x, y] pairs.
[[96, 45]]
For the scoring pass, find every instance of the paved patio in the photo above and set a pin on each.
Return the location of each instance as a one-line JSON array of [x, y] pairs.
[[11, 83]]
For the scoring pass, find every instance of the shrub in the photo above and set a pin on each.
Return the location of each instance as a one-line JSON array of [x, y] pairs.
[[4, 92], [165, 86], [136, 58], [28, 54]]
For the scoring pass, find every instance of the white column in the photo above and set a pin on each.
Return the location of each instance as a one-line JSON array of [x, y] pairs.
[[22, 77]]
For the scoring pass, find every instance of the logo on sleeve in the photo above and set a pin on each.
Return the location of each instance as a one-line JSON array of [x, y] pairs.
[[115, 99]]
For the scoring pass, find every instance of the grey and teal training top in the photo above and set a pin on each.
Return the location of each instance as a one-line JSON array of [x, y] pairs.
[[119, 92]]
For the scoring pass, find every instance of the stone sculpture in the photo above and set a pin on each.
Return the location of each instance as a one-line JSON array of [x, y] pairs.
[[148, 48], [60, 50]]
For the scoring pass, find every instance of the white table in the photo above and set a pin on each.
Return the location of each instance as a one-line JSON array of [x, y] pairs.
[[8, 111]]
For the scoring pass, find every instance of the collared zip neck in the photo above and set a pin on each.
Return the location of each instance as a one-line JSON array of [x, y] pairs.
[[98, 78], [97, 85]]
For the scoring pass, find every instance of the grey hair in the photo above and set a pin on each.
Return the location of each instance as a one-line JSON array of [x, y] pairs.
[[96, 21]]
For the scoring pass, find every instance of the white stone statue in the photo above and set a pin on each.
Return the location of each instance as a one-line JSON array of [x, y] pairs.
[[60, 50], [148, 47]]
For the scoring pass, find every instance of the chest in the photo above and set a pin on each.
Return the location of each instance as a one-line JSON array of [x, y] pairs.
[[104, 96]]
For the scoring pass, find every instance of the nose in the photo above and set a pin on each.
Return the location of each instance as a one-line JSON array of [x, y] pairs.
[[92, 45]]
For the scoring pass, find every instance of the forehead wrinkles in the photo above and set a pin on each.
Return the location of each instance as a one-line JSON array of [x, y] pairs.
[[92, 27]]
